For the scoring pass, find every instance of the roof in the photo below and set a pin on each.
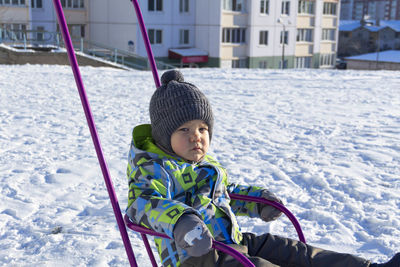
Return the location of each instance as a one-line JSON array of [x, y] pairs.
[[394, 24], [350, 25], [384, 56], [188, 55], [188, 52]]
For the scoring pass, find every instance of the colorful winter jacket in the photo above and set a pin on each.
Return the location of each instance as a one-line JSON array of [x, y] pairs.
[[163, 187]]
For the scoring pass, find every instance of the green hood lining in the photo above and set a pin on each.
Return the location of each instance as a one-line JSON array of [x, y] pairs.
[[142, 139]]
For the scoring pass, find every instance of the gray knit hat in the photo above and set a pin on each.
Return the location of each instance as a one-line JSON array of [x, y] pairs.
[[174, 103]]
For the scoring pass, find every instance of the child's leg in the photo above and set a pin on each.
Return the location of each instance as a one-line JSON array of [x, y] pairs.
[[207, 260], [288, 252], [217, 258]]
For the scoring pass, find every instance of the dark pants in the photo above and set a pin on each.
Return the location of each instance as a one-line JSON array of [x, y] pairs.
[[271, 251]]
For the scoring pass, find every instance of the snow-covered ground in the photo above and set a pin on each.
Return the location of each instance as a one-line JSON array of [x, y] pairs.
[[327, 142]]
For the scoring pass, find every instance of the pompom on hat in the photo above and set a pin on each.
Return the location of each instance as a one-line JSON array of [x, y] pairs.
[[174, 103]]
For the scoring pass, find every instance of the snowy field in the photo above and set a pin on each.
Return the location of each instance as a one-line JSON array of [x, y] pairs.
[[327, 142]]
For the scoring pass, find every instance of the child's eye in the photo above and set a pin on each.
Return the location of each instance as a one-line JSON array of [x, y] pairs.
[[183, 129], [203, 129]]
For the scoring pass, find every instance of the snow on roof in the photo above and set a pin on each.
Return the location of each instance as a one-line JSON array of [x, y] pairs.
[[187, 52], [384, 56], [16, 49], [349, 25], [394, 24]]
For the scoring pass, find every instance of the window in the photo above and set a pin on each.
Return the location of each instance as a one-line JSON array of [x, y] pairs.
[[306, 7], [304, 35], [184, 6], [155, 5], [327, 59], [12, 2], [239, 63], [328, 35], [234, 35], [77, 31], [263, 38], [36, 4], [264, 6], [263, 64], [183, 36], [329, 8], [285, 8], [284, 37], [155, 36], [234, 5], [73, 3], [303, 62], [39, 33]]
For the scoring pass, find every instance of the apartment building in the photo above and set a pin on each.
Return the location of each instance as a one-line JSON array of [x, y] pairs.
[[373, 9], [233, 33], [37, 19], [15, 16], [215, 33]]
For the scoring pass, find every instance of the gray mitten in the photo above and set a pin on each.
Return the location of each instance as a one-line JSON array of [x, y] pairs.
[[191, 234], [267, 212]]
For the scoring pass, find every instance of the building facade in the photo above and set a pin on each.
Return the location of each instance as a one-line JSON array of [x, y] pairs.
[[244, 33], [367, 36], [36, 21], [232, 33], [373, 9]]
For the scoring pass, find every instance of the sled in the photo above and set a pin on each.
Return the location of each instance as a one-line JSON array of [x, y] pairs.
[[123, 224]]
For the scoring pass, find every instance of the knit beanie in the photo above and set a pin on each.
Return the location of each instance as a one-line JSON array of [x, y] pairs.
[[174, 103]]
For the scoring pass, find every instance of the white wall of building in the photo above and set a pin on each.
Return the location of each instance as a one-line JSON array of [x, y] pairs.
[[112, 24], [44, 17], [208, 26]]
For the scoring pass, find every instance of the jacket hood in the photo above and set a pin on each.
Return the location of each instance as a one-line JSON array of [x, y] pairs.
[[143, 140]]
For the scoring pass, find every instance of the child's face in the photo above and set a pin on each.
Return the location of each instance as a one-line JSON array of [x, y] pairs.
[[191, 140]]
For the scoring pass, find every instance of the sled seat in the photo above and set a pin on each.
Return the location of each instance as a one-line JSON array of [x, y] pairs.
[[218, 245]]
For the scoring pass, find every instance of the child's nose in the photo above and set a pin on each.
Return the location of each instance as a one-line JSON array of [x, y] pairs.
[[195, 136]]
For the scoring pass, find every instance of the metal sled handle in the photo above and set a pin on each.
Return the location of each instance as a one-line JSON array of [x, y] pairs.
[[217, 245], [274, 204]]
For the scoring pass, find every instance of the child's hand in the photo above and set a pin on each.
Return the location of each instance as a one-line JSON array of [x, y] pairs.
[[191, 234], [267, 212]]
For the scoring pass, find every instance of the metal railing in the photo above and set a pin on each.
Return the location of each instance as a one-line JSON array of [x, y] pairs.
[[47, 41], [118, 56]]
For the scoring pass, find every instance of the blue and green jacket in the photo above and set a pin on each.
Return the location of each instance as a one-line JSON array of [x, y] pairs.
[[163, 187]]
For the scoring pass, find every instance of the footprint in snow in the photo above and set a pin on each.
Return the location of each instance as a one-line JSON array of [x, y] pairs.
[[63, 170]]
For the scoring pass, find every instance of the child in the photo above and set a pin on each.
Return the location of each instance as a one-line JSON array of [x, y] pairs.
[[177, 189]]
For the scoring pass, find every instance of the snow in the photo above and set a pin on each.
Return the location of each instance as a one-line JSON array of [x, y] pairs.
[[383, 56], [325, 141]]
